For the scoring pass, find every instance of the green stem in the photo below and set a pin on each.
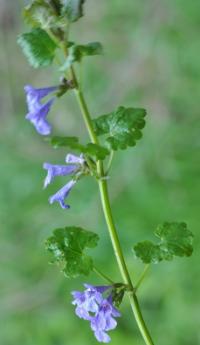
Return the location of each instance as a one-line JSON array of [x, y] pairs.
[[139, 319], [102, 275], [111, 226], [121, 263], [141, 278], [112, 230], [109, 162], [86, 116]]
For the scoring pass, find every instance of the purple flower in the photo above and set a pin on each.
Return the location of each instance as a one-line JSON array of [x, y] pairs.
[[91, 305], [85, 302], [63, 170], [57, 170], [70, 158], [62, 194], [37, 111], [104, 320], [88, 301]]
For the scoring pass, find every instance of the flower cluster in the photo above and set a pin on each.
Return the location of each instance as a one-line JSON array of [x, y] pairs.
[[91, 305], [37, 115], [38, 111], [74, 167]]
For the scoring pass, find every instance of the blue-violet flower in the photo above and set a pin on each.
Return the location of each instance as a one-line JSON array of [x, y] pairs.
[[57, 170], [91, 305], [62, 194], [75, 164], [73, 159], [37, 111]]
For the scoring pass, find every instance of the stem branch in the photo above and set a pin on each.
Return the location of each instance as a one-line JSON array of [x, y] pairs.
[[141, 278], [109, 162], [102, 275]]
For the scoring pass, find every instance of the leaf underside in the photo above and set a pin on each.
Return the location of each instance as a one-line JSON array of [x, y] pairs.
[[38, 47], [53, 13], [38, 13], [73, 9]]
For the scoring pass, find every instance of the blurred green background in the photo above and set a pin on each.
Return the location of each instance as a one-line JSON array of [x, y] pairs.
[[151, 60]]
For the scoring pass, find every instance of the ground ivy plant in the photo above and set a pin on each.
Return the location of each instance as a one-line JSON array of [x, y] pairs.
[[48, 43]]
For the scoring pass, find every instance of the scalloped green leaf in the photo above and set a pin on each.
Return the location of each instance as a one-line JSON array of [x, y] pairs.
[[45, 14], [77, 52], [37, 12], [94, 150], [38, 47], [73, 9], [121, 128], [68, 247], [175, 240]]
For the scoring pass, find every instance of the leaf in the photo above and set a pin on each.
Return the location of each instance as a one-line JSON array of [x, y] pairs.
[[68, 247], [89, 49], [97, 151], [175, 240], [38, 13], [71, 142], [77, 52], [148, 252], [38, 47], [122, 128], [73, 9], [44, 14]]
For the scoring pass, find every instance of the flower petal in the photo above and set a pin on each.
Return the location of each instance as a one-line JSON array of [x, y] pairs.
[[38, 111], [115, 312], [91, 305], [98, 322], [70, 158], [102, 337], [79, 297], [62, 194], [57, 170], [38, 93], [38, 118], [110, 323], [93, 293], [100, 289], [82, 313]]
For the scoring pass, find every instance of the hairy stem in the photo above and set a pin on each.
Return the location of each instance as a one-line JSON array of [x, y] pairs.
[[111, 226]]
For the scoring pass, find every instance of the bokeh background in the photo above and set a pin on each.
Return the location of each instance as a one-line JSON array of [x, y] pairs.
[[151, 60]]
